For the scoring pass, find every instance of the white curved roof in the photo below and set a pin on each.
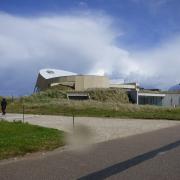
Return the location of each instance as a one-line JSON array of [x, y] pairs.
[[53, 73]]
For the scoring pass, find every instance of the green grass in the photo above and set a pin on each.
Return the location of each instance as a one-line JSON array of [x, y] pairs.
[[17, 138], [96, 109], [110, 102]]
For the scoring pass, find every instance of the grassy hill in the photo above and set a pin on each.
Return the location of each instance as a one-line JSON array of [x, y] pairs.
[[103, 103], [60, 93]]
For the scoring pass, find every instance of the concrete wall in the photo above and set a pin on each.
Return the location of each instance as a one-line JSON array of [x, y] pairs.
[[90, 81], [171, 100], [43, 84], [80, 82]]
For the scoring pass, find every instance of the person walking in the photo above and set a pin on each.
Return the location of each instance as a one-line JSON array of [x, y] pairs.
[[3, 106]]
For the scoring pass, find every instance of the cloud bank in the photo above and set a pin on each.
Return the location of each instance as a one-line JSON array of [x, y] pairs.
[[78, 43]]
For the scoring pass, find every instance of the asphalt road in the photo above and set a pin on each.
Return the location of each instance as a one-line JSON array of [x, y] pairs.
[[154, 155]]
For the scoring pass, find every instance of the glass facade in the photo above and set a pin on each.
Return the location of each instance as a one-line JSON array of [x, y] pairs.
[[151, 100]]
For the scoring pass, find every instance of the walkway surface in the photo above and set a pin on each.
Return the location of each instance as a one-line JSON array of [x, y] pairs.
[[94, 130], [149, 156]]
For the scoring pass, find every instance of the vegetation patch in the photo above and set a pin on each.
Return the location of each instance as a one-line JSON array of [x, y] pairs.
[[99, 94], [109, 95], [96, 109], [111, 102], [17, 138]]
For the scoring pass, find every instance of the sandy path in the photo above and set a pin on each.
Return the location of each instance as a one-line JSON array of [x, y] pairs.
[[97, 129]]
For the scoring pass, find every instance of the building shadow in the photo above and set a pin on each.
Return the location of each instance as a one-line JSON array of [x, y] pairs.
[[122, 166]]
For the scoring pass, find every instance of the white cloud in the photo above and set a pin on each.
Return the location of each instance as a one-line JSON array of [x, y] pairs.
[[152, 2], [154, 6], [79, 43], [161, 64], [83, 4]]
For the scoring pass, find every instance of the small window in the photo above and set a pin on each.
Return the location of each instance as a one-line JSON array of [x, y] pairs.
[[50, 72]]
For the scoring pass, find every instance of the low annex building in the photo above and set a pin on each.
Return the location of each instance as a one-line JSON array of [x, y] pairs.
[[52, 77]]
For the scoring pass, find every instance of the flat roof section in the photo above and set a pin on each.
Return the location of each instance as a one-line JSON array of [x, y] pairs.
[[151, 94]]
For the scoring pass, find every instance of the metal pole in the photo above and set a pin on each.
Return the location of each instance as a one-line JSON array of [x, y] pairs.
[[12, 98], [23, 113], [73, 121]]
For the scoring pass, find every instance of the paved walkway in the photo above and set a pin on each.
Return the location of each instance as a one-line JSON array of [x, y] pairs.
[[149, 156]]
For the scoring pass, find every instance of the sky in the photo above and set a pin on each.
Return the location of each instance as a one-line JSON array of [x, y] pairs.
[[133, 40]]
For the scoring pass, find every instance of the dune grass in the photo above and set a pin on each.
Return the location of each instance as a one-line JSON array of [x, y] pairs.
[[95, 109], [110, 102], [17, 138]]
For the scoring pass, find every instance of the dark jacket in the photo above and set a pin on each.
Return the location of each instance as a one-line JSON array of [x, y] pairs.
[[3, 103]]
